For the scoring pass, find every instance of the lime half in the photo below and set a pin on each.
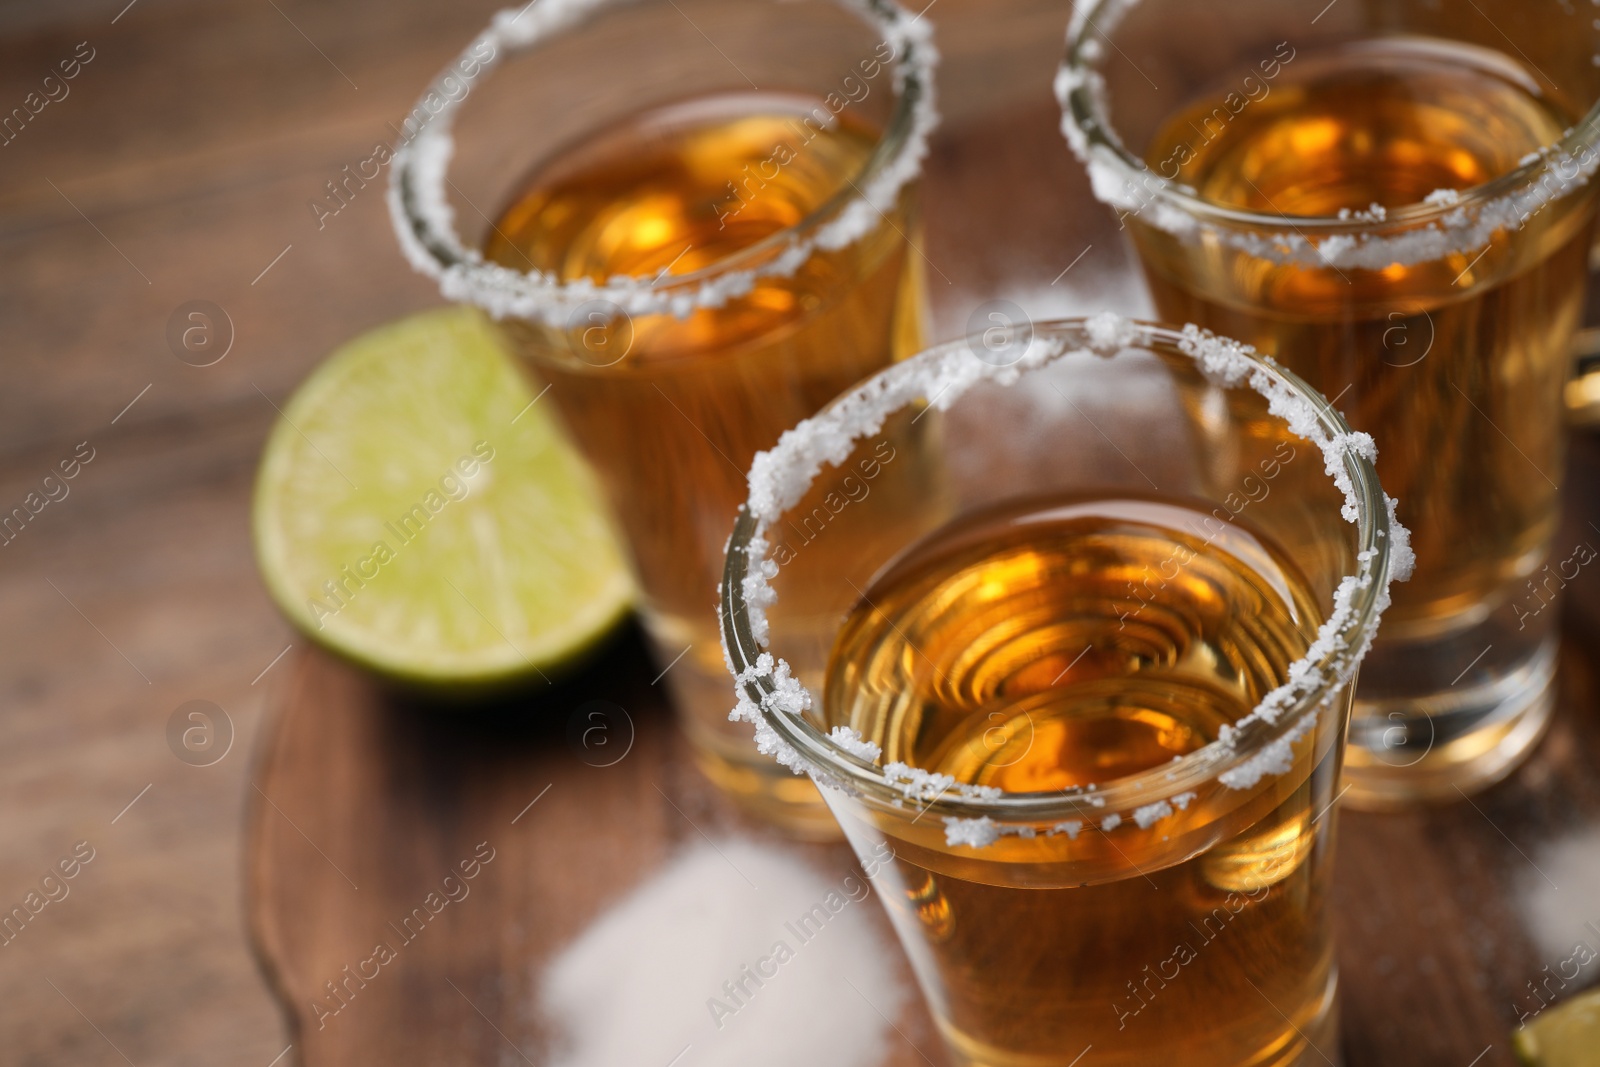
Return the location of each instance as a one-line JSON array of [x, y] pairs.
[[418, 511], [1567, 1035]]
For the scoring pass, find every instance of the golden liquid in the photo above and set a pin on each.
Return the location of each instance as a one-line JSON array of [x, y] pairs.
[[670, 411], [1064, 643], [1456, 365]]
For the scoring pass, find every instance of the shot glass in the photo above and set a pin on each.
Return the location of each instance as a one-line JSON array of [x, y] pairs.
[[1396, 201], [1094, 782], [701, 228]]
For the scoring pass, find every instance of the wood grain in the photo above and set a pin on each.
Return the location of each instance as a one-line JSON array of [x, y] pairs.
[[365, 801], [1432, 952], [188, 146], [178, 168]]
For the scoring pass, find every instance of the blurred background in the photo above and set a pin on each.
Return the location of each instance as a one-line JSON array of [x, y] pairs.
[[178, 167]]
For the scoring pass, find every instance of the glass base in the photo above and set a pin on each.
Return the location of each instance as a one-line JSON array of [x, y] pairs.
[[1449, 744]]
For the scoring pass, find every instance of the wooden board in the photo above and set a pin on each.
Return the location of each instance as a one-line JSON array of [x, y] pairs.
[[359, 788], [364, 802], [180, 168]]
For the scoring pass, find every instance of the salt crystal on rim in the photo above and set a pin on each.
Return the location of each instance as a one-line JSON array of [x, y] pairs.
[[918, 784], [984, 831], [852, 742], [424, 220], [1119, 179], [779, 478], [1148, 815], [974, 833]]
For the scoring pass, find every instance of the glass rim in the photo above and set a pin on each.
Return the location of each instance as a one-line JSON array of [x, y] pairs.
[[772, 700], [1501, 201], [424, 224]]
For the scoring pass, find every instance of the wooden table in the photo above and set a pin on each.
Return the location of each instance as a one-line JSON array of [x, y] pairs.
[[179, 168]]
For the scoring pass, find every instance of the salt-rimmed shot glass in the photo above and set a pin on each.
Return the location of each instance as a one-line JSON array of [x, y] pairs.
[[1395, 200], [1088, 849], [694, 221]]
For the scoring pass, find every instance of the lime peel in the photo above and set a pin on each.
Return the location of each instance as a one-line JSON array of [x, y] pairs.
[[1566, 1035], [419, 512]]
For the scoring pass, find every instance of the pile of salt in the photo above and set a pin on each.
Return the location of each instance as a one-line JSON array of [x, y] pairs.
[[734, 954]]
